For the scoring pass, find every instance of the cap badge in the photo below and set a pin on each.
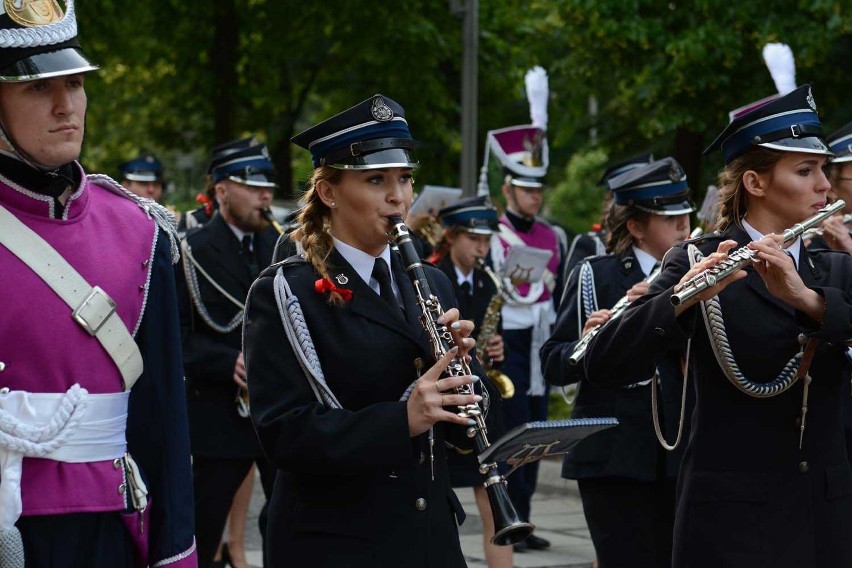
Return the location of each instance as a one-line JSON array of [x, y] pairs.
[[29, 13], [674, 173], [380, 110], [811, 101]]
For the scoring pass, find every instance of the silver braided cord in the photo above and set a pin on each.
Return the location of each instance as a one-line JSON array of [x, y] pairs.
[[587, 289], [299, 336], [189, 266], [164, 218], [11, 549], [715, 324], [48, 34]]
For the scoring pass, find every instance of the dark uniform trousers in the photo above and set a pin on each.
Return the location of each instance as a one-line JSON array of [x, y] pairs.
[[626, 479], [352, 488], [224, 444], [747, 494]]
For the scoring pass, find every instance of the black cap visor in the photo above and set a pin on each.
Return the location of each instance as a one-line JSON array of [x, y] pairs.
[[805, 145], [667, 207], [254, 180], [67, 61], [390, 158], [142, 176]]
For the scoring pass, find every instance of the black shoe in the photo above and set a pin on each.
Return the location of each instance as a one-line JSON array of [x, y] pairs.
[[536, 542], [520, 546]]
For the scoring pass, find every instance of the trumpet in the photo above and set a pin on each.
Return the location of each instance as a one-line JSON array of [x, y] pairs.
[[811, 233], [508, 526], [744, 256]]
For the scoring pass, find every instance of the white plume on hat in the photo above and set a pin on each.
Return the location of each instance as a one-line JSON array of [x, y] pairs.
[[537, 92], [782, 66]]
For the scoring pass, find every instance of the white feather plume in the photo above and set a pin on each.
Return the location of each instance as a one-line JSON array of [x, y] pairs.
[[537, 92], [782, 66]]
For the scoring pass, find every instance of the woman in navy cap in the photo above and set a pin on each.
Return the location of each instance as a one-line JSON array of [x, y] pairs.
[[762, 483], [344, 396], [626, 479]]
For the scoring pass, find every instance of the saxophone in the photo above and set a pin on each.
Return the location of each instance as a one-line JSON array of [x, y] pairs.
[[488, 329]]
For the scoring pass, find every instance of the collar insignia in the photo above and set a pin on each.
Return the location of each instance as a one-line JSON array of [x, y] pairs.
[[341, 279]]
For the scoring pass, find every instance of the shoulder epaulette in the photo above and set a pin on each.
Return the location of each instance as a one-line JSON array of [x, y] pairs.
[[164, 218]]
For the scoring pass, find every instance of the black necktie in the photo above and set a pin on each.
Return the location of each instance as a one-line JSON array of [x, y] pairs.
[[248, 255], [465, 288], [382, 276]]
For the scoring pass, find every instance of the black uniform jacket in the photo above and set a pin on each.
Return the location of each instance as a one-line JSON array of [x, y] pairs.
[[747, 495], [472, 306], [216, 430], [631, 449], [353, 488]]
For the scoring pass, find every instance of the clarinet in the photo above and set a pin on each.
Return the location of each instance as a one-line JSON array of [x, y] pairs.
[[508, 527], [744, 256]]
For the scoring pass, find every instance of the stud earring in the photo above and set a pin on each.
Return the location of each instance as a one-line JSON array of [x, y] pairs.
[[334, 203]]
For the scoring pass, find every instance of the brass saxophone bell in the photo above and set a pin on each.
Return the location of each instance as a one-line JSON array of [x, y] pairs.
[[503, 383]]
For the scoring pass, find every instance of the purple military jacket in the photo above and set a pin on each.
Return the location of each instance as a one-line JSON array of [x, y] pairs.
[[112, 243]]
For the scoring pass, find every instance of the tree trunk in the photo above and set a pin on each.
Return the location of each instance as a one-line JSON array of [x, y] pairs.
[[689, 148], [223, 63], [281, 155]]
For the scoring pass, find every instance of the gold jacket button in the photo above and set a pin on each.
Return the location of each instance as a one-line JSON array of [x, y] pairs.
[[122, 488], [116, 463], [420, 504], [804, 467]]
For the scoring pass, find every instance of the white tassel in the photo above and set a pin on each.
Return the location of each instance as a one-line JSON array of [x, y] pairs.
[[782, 66], [537, 92]]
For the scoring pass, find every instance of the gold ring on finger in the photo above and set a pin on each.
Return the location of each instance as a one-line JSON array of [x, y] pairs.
[[436, 387], [442, 400]]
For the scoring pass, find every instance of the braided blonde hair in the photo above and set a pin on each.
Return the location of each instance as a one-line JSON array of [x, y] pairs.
[[732, 194], [312, 232]]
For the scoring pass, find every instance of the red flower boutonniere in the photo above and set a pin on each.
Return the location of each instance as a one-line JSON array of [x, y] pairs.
[[206, 202], [324, 285]]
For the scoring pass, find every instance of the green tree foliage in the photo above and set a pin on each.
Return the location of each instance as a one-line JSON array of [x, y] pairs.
[[179, 77]]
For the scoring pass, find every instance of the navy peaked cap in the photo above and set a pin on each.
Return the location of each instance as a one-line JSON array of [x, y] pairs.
[[619, 168], [249, 166], [474, 215], [229, 147], [372, 134], [789, 124], [657, 187], [840, 143], [145, 167]]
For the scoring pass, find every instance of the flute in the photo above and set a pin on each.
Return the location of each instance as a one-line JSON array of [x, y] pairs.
[[615, 312], [811, 233], [744, 256]]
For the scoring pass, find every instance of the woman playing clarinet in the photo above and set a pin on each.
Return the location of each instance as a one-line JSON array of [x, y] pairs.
[[346, 400], [765, 480]]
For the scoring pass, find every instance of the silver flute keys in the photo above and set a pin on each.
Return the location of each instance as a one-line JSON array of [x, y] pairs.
[[744, 256]]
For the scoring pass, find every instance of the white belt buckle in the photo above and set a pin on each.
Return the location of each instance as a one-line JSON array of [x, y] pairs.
[[93, 312]]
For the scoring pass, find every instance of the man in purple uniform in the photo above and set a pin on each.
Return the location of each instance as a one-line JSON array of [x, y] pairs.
[[94, 450]]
